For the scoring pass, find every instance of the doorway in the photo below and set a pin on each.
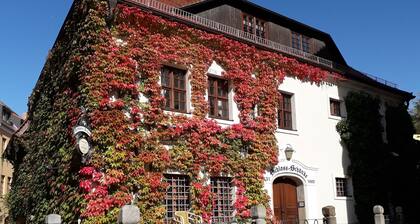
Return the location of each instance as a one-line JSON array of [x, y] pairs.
[[285, 201]]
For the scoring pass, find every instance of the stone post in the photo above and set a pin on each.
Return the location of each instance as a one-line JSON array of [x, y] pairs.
[[258, 214], [399, 216], [53, 219], [129, 214], [329, 214], [379, 214]]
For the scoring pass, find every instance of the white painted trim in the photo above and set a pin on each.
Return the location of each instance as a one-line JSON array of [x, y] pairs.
[[286, 131]]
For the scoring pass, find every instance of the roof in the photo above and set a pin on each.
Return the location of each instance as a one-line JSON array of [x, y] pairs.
[[8, 108], [275, 17], [308, 30], [356, 75]]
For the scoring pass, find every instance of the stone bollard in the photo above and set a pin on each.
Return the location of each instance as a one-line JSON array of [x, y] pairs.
[[129, 214], [258, 214], [379, 214], [329, 214], [53, 219], [399, 216]]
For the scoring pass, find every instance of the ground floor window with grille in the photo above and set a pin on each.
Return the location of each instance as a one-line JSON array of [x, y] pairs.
[[177, 195], [222, 188], [342, 187]]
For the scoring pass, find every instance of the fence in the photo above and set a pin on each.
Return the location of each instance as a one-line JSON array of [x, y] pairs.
[[130, 214]]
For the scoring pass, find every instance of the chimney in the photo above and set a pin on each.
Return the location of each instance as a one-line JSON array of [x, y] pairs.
[[180, 3]]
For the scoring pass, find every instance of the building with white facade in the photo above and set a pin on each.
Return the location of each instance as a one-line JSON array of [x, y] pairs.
[[166, 122]]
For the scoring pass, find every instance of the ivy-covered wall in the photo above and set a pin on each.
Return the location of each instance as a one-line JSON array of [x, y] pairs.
[[362, 134], [403, 172], [383, 172], [95, 58]]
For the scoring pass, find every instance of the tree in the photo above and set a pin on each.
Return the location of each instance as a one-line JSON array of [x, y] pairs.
[[415, 115]]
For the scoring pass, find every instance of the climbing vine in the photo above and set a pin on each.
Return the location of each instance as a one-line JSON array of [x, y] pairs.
[[107, 68], [362, 133], [375, 164]]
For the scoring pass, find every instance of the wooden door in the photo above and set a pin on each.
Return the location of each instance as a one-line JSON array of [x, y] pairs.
[[285, 201]]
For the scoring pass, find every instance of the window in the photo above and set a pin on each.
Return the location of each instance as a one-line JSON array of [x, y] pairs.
[[3, 144], [9, 184], [222, 188], [335, 107], [256, 111], [6, 115], [218, 90], [177, 195], [2, 185], [248, 23], [253, 25], [300, 42], [285, 111], [174, 90], [341, 185]]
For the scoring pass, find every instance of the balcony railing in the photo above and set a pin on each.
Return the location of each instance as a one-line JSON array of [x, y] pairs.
[[168, 10], [222, 28], [380, 80]]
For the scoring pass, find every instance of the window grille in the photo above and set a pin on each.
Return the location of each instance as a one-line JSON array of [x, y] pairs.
[[177, 195], [222, 188], [342, 187]]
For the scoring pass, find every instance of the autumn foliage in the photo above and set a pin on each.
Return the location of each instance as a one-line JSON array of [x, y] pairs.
[[136, 142]]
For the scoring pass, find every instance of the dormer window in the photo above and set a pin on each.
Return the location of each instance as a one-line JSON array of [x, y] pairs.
[[300, 42], [253, 25], [6, 115]]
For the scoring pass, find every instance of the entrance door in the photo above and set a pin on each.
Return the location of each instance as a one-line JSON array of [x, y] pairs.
[[285, 201]]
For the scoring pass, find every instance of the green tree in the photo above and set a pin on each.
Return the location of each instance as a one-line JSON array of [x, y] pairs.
[[415, 115]]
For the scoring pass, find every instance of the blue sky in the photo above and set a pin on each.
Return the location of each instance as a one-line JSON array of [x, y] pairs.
[[375, 36]]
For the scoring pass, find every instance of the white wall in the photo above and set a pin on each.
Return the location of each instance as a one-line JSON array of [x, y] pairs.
[[317, 145], [317, 142]]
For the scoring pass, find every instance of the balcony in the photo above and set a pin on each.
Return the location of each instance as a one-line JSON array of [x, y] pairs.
[[228, 30], [170, 11]]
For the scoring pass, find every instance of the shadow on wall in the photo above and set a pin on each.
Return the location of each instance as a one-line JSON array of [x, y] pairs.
[[345, 161]]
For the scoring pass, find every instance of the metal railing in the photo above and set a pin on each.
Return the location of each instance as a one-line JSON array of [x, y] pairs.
[[315, 221], [380, 80], [222, 28], [180, 14]]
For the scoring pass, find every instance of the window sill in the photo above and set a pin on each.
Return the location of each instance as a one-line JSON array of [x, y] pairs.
[[343, 198], [176, 112], [333, 117], [222, 121], [287, 131], [219, 118]]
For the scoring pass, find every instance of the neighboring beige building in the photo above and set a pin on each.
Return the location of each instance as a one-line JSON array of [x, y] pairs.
[[9, 124]]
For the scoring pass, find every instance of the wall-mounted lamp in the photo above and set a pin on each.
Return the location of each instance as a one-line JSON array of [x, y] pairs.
[[288, 151], [82, 134]]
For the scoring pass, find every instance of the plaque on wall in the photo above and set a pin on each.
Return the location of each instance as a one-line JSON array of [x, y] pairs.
[[301, 204]]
